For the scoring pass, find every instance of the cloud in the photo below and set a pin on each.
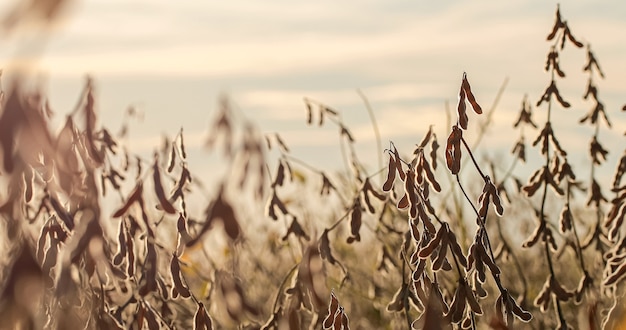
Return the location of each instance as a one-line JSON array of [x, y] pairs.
[[406, 56]]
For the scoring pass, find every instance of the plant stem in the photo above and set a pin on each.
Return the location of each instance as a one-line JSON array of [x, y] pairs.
[[379, 145]]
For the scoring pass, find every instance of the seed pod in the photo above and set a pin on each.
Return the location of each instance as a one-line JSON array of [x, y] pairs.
[[398, 164], [355, 222], [430, 247], [419, 269], [158, 188], [227, 214], [441, 254], [453, 150], [433, 151], [172, 161], [134, 197], [415, 233], [518, 311], [309, 112], [280, 175], [130, 262], [183, 153], [403, 202], [337, 319], [471, 300], [50, 258], [324, 247], [345, 322], [571, 38], [461, 112], [534, 238], [615, 276], [162, 287], [457, 306], [296, 229], [431, 176], [150, 270], [467, 322], [176, 278], [367, 186], [41, 243], [470, 96], [67, 218], [543, 299], [397, 302], [28, 184], [456, 249], [368, 203], [274, 203], [201, 320], [333, 307], [558, 24], [150, 317], [121, 240]]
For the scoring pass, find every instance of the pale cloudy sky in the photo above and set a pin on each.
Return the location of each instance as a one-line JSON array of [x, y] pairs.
[[173, 58]]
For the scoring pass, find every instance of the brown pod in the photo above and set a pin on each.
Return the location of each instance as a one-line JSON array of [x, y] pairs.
[[333, 306], [471, 299], [431, 176], [517, 310], [426, 137], [130, 253], [441, 254], [121, 240], [172, 161], [456, 249], [280, 175], [176, 278], [470, 96], [430, 247], [134, 197], [461, 110], [355, 222], [158, 189]]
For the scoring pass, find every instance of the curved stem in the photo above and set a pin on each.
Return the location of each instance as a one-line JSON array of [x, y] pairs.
[[379, 145]]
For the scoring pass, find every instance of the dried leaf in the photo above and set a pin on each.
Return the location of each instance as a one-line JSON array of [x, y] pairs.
[[324, 248]]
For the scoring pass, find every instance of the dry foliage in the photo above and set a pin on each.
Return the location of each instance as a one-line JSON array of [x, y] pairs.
[[102, 238]]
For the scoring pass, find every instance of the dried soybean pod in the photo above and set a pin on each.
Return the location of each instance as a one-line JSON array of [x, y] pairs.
[[470, 96], [134, 197], [391, 174], [430, 247], [176, 278], [172, 161], [333, 306], [158, 188], [471, 299], [456, 249], [121, 239], [461, 112]]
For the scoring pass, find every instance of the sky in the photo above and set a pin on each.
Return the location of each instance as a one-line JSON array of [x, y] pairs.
[[173, 59]]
